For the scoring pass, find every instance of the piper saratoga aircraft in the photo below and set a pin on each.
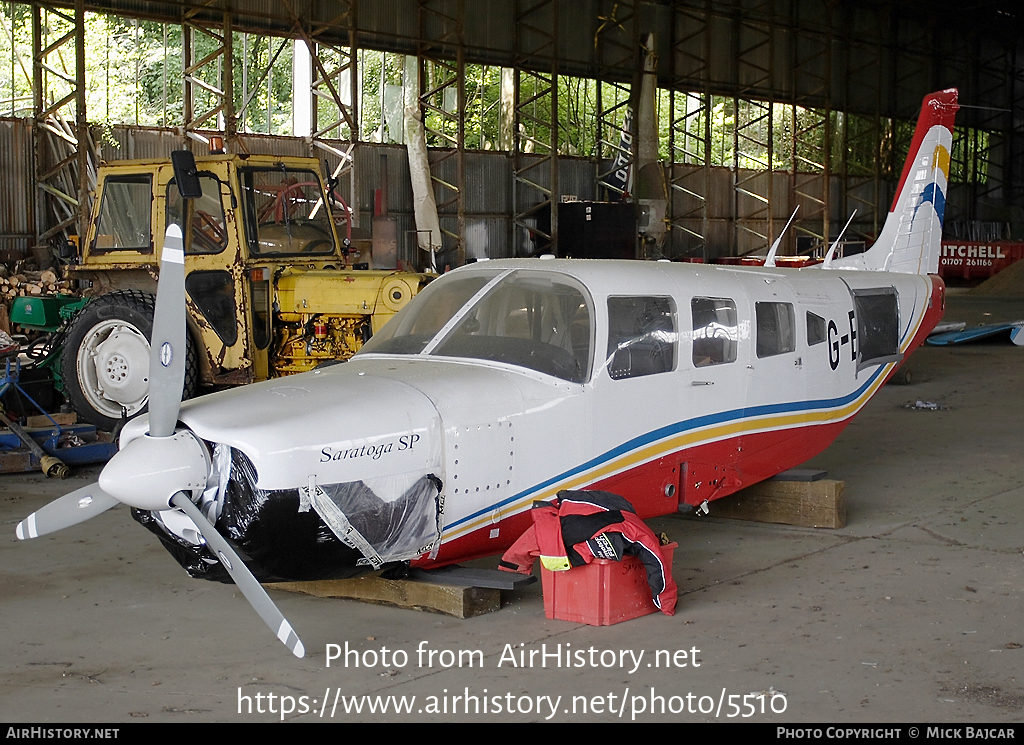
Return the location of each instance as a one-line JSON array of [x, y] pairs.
[[504, 382]]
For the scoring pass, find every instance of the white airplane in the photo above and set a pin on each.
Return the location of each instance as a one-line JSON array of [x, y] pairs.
[[504, 382]]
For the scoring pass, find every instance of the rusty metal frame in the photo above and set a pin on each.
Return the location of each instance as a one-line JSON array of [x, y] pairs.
[[1014, 150], [331, 61], [64, 153], [192, 70], [911, 70], [905, 66], [992, 84], [250, 90], [863, 189]]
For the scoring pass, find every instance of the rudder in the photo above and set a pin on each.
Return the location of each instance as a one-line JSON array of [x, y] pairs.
[[911, 239]]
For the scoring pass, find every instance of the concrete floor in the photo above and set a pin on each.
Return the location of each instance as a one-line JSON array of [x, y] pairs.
[[910, 613]]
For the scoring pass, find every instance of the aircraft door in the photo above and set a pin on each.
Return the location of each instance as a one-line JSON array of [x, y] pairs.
[[638, 371], [823, 321], [776, 377], [775, 366], [714, 388]]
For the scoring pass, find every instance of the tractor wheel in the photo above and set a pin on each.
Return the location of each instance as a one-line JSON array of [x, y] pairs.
[[105, 360]]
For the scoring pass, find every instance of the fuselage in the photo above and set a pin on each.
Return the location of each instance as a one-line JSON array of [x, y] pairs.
[[675, 384]]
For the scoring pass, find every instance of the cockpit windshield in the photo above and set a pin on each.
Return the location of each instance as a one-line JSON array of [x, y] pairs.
[[542, 321]]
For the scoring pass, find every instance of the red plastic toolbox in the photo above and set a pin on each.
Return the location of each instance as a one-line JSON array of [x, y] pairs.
[[602, 592]]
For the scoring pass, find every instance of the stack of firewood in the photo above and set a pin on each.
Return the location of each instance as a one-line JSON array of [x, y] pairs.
[[23, 283]]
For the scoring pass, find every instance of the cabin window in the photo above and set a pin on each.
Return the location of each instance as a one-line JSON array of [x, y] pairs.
[[285, 212], [815, 329], [641, 336], [125, 222], [209, 227], [878, 322], [213, 292], [776, 328], [531, 319], [715, 331]]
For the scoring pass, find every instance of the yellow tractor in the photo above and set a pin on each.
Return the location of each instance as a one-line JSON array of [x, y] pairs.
[[269, 290]]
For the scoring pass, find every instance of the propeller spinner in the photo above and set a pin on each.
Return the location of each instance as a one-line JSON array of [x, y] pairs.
[[162, 469]]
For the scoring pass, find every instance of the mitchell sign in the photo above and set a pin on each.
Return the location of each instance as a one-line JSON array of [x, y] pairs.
[[977, 260]]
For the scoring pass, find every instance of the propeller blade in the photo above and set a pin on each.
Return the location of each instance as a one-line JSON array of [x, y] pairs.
[[240, 573], [167, 347], [71, 509]]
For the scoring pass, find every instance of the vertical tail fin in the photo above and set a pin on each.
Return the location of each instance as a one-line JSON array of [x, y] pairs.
[[911, 239]]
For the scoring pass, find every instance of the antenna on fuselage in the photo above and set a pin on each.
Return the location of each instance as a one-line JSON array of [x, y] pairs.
[[832, 249], [770, 259]]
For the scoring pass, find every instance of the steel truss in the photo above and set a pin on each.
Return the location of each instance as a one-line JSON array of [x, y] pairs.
[[1014, 150], [861, 135], [65, 154], [275, 47], [209, 80], [984, 172], [753, 132], [616, 46], [812, 127], [690, 105], [332, 64], [886, 57], [535, 126], [442, 73]]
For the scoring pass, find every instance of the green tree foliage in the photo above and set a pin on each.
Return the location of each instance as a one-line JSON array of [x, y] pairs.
[[15, 60]]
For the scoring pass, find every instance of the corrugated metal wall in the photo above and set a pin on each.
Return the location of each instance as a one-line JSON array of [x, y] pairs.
[[488, 200], [17, 203]]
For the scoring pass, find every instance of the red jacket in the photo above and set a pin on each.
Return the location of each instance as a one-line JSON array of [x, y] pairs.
[[580, 526]]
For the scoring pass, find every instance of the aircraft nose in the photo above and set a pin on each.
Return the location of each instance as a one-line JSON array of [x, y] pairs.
[[336, 427], [148, 471]]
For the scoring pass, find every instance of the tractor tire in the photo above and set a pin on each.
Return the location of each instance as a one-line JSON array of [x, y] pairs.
[[105, 360]]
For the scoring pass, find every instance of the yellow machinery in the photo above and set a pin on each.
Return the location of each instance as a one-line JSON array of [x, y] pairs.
[[269, 290]]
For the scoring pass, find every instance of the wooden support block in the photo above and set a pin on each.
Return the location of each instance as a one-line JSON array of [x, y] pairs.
[[454, 574], [461, 602], [17, 461], [41, 421], [808, 504]]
